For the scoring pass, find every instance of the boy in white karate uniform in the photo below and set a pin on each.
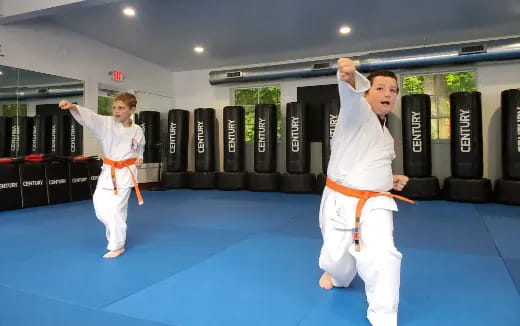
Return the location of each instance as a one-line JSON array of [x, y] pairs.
[[123, 145], [356, 209]]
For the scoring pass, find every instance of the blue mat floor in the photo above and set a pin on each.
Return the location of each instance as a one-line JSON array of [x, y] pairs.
[[245, 258]]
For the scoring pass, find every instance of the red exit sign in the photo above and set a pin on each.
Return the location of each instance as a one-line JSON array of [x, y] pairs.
[[117, 75]]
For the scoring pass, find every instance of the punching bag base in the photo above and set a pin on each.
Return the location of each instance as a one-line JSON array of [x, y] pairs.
[[202, 180], [57, 182], [263, 181], [507, 190], [173, 180], [298, 183], [79, 183], [467, 190], [34, 186], [231, 180], [10, 194], [424, 188], [320, 182]]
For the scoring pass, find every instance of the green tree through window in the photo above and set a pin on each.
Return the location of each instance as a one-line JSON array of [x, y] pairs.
[[105, 105], [439, 87], [248, 97]]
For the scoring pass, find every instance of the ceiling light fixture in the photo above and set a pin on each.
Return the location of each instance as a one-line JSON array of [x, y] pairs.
[[129, 11], [345, 30], [198, 49]]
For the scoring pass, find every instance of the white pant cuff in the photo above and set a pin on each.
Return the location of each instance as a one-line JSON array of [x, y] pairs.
[[382, 319]]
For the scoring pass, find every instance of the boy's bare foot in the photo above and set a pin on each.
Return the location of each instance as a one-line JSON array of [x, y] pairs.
[[326, 281], [114, 253]]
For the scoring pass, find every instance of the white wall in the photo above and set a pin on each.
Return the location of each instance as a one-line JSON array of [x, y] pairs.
[[192, 90], [48, 48]]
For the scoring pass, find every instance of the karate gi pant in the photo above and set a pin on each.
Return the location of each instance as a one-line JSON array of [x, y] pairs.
[[111, 210], [378, 263]]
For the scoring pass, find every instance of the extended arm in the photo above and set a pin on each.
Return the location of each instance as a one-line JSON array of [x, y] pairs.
[[94, 122]]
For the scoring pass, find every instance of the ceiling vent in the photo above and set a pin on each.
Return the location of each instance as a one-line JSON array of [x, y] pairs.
[[473, 49]]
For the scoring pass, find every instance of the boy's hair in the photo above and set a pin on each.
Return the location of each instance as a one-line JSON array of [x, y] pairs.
[[382, 73], [127, 98]]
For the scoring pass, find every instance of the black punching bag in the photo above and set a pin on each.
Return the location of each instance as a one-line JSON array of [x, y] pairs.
[[234, 138], [178, 134], [204, 176], [4, 137], [416, 122], [73, 141], [21, 136], [265, 138], [297, 150], [265, 177], [508, 187], [149, 122], [511, 134], [466, 135], [55, 135], [466, 183], [38, 134], [204, 132], [330, 118], [417, 135], [234, 176]]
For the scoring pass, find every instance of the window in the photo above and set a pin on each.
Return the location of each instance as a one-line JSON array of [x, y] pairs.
[[439, 87], [14, 110], [105, 105], [248, 97]]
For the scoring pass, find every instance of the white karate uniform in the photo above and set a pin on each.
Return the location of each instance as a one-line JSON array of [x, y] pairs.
[[119, 143], [361, 156]]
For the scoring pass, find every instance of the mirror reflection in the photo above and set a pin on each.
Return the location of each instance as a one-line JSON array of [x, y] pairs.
[[30, 119]]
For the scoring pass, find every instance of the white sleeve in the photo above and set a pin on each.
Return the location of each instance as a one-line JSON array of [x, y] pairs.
[[354, 109], [142, 142], [96, 123]]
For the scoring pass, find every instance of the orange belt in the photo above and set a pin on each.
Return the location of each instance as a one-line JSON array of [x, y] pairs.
[[119, 165], [363, 196]]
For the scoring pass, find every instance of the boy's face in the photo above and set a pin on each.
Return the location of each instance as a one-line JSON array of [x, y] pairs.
[[122, 112], [382, 94]]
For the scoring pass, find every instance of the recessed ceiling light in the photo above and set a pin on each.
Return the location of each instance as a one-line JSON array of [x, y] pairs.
[[1, 73], [345, 30], [198, 49], [129, 11]]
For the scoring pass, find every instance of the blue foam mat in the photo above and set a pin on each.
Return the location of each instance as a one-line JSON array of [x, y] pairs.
[[513, 266], [506, 235], [245, 258], [251, 283], [79, 274], [24, 309]]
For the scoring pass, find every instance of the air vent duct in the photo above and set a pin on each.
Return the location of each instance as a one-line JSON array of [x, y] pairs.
[[292, 70], [25, 93], [454, 54]]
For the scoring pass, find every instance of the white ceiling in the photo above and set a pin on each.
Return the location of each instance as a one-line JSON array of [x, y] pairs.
[[243, 32]]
